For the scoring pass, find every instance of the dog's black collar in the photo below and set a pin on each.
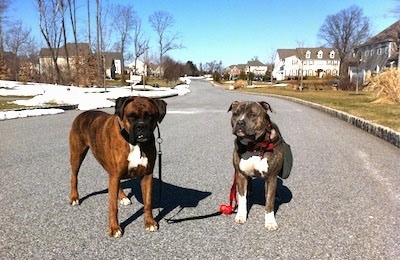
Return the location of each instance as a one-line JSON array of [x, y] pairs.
[[123, 132]]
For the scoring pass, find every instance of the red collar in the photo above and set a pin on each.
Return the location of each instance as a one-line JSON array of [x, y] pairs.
[[261, 148], [267, 144]]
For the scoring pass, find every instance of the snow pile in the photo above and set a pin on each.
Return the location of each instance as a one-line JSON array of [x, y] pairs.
[[83, 98]]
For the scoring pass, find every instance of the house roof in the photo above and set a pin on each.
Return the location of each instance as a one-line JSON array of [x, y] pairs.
[[314, 53], [110, 56], [255, 63], [301, 52], [284, 53], [83, 49], [389, 34]]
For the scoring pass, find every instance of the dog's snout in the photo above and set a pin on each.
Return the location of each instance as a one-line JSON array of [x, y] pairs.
[[240, 123], [141, 126]]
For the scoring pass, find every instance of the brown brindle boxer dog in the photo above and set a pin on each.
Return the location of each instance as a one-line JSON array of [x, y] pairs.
[[124, 145], [258, 152]]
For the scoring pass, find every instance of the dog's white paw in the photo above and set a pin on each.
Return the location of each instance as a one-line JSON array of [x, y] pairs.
[[270, 222], [75, 203], [240, 219], [241, 215], [125, 202], [151, 228], [118, 234]]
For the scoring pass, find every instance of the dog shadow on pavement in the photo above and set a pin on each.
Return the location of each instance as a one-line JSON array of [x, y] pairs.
[[173, 198], [257, 195]]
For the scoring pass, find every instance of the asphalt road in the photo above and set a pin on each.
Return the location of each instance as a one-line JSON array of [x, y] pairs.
[[342, 200]]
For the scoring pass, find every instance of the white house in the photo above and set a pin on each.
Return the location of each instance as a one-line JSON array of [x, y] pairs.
[[256, 67], [140, 69], [317, 62], [136, 72]]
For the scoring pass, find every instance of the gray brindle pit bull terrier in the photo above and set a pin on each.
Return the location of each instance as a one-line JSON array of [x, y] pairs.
[[258, 152]]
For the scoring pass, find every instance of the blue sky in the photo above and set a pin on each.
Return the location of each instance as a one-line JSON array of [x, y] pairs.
[[233, 31]]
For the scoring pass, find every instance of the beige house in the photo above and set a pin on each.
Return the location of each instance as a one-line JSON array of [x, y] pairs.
[[112, 60], [314, 62], [46, 62]]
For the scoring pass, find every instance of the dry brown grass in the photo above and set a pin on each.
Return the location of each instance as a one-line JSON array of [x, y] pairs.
[[240, 84], [387, 86]]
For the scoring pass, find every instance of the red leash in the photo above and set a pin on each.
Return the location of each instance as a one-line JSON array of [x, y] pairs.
[[228, 209]]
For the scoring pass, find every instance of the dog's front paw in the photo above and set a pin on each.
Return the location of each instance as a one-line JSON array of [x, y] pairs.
[[151, 225], [152, 228], [240, 219], [117, 233], [125, 202], [270, 222], [74, 202]]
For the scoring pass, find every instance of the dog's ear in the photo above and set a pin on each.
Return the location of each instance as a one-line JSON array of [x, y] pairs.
[[266, 106], [162, 108], [233, 105], [120, 105]]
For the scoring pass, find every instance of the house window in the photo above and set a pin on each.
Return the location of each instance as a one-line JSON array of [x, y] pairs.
[[366, 53], [332, 55], [319, 55], [372, 52], [379, 51], [308, 54]]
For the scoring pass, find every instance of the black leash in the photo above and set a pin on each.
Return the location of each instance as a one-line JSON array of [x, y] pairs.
[[159, 141]]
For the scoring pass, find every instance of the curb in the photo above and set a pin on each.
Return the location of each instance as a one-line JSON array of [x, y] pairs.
[[377, 130]]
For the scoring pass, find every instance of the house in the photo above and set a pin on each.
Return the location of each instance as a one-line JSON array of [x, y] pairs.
[[46, 63], [79, 52], [139, 69], [256, 67], [234, 71], [315, 62], [112, 64], [379, 52]]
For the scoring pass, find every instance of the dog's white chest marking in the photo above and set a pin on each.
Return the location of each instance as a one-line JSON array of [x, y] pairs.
[[135, 157], [253, 163]]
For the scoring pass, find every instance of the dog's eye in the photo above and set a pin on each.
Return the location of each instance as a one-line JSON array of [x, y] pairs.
[[132, 116]]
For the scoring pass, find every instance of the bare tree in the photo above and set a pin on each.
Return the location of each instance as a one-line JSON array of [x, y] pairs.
[[16, 36], [50, 17], [141, 44], [396, 11], [124, 20], [344, 31], [161, 21], [3, 7]]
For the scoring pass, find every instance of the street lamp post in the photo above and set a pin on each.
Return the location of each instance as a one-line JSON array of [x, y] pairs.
[[358, 70]]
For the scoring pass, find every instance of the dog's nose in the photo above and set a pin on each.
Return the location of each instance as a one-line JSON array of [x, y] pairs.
[[240, 123], [141, 126]]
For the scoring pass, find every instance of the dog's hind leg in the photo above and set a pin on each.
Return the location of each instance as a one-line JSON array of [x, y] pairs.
[[77, 155], [146, 185]]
